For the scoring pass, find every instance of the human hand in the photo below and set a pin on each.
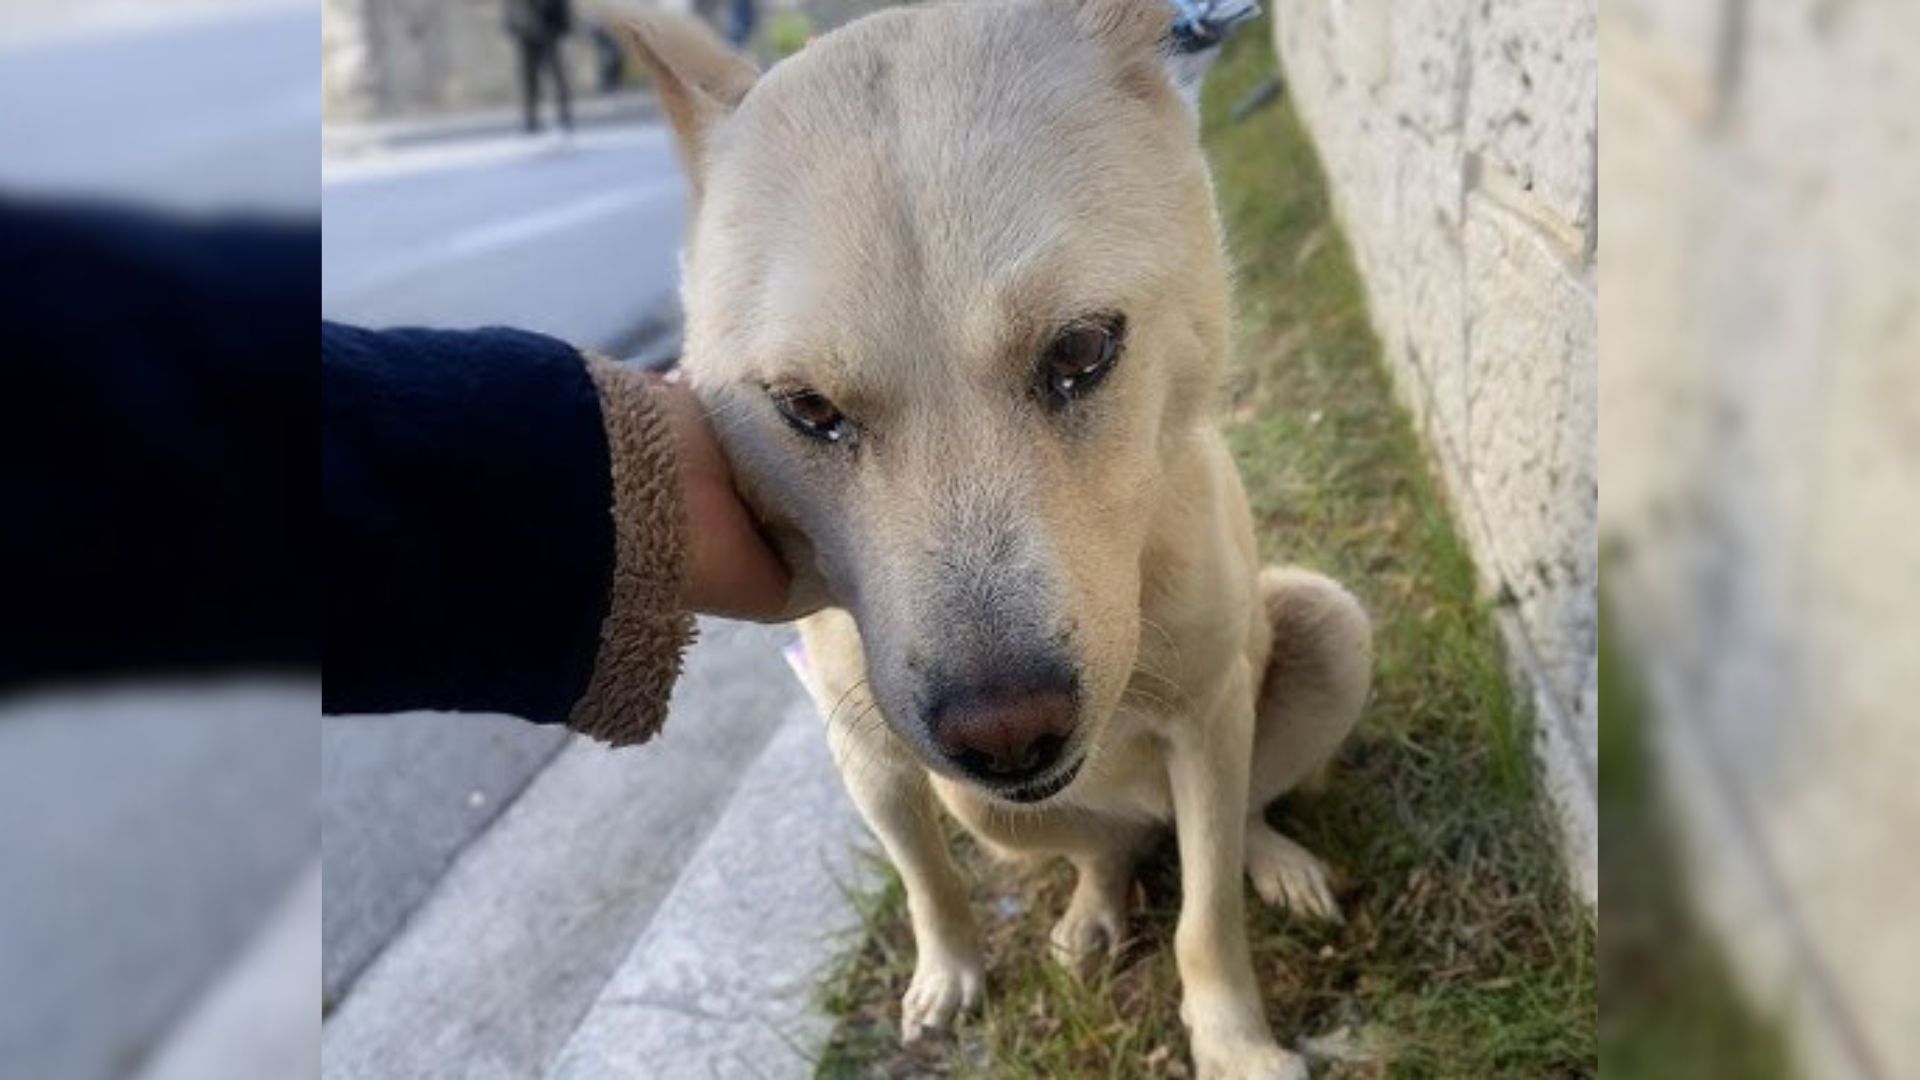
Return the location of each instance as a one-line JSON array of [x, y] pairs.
[[731, 570]]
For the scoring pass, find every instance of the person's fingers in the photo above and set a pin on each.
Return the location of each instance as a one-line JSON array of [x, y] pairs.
[[731, 570]]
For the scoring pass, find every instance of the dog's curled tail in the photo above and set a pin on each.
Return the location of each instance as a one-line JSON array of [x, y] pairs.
[[1319, 673]]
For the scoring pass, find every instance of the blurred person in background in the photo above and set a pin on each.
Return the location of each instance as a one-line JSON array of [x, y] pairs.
[[733, 20], [744, 16], [537, 27]]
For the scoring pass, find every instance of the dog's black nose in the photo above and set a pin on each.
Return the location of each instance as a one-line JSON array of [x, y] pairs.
[[1005, 738]]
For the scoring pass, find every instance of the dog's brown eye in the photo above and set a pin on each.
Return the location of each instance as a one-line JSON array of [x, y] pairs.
[[1080, 357], [813, 415]]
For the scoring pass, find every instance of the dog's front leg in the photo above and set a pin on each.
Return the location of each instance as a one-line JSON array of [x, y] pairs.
[[893, 794], [1207, 765]]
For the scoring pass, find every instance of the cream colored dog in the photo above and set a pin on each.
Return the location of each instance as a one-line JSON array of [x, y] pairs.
[[955, 294]]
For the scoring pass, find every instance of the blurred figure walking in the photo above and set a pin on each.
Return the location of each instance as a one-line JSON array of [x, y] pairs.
[[742, 19], [538, 26]]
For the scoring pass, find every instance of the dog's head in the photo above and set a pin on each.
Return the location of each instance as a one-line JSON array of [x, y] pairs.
[[955, 297]]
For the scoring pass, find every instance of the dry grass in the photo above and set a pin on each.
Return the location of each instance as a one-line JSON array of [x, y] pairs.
[[1464, 954]]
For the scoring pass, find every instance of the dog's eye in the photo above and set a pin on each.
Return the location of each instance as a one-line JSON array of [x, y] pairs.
[[1080, 357], [813, 415]]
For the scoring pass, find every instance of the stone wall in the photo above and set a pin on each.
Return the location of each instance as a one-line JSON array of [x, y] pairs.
[[1761, 375], [1460, 140]]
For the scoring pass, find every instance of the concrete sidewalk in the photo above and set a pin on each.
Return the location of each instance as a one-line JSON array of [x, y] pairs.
[[626, 108], [656, 868], [724, 981]]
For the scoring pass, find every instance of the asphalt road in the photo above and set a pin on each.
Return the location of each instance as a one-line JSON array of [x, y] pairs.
[[150, 834], [575, 239], [182, 107]]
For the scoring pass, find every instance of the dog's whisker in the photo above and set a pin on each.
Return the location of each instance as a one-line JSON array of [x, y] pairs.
[[1151, 698], [844, 697], [1182, 698], [1173, 645], [859, 745], [1179, 697], [1154, 673]]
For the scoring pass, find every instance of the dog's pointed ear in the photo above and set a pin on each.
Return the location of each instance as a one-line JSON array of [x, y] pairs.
[[698, 79]]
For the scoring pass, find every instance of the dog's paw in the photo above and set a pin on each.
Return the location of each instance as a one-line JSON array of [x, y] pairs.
[[1092, 931], [1246, 1058], [1289, 876], [942, 987]]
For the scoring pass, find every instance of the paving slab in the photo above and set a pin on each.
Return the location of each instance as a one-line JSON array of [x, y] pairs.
[[497, 967], [723, 982], [400, 798], [262, 1017]]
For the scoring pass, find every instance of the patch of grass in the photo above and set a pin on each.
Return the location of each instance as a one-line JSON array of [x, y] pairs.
[[1670, 1005], [1463, 954]]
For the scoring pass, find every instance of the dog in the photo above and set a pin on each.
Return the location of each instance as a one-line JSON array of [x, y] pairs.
[[956, 299]]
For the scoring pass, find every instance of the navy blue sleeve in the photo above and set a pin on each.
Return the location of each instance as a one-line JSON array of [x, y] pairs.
[[156, 506], [469, 536], [156, 403]]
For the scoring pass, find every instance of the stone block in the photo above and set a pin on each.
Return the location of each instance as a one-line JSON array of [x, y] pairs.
[[1651, 366], [1532, 102], [1431, 64], [723, 982], [1532, 328], [1427, 333], [1317, 46], [1685, 34]]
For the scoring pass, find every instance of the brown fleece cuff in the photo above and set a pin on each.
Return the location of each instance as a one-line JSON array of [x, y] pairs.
[[646, 627]]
